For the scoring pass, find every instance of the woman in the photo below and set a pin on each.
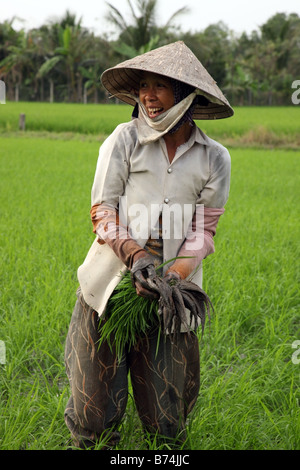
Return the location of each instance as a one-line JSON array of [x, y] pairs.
[[156, 177]]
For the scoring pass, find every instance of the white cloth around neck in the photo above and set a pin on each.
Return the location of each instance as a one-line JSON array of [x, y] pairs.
[[150, 130]]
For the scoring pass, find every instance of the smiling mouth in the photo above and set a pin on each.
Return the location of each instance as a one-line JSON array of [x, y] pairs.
[[153, 112]]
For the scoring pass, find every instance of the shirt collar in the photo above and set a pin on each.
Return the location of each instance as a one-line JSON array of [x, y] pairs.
[[199, 136]]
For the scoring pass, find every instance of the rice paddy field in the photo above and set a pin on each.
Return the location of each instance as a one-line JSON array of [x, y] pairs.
[[250, 355]]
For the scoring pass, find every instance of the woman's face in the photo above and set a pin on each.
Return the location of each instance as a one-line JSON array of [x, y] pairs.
[[156, 94]]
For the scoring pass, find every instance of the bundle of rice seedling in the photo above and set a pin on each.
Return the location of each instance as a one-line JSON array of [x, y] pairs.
[[128, 316], [175, 298]]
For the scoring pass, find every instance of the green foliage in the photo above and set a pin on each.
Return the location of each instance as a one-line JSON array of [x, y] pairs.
[[249, 394], [127, 316], [249, 126], [48, 66], [252, 69]]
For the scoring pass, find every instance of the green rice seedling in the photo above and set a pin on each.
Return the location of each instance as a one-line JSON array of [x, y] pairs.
[[250, 126], [249, 394], [127, 315]]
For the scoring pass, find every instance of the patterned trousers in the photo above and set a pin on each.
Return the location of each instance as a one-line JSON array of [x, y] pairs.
[[165, 380]]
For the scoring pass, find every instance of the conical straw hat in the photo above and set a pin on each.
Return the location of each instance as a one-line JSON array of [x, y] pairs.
[[176, 61]]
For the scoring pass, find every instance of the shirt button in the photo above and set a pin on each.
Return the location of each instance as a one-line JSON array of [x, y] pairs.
[[169, 170], [166, 200]]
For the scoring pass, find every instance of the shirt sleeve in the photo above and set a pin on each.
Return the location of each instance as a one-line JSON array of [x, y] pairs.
[[112, 169], [216, 190]]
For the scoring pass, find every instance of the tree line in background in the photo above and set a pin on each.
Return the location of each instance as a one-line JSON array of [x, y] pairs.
[[62, 60]]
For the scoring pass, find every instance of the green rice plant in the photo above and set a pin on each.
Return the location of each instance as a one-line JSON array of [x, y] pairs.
[[250, 126], [249, 394], [128, 315], [90, 119]]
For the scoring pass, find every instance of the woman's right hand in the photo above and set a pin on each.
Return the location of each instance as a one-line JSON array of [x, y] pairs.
[[143, 270]]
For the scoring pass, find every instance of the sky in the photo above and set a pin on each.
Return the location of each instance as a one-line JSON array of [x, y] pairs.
[[238, 15]]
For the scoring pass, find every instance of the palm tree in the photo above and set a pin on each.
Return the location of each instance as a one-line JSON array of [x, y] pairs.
[[18, 65], [67, 56], [142, 33]]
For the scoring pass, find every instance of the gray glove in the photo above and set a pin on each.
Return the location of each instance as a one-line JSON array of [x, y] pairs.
[[142, 270]]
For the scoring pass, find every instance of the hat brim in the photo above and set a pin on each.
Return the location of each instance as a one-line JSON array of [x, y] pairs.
[[124, 79]]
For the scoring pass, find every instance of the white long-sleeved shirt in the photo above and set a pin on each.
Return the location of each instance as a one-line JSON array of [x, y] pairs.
[[148, 185]]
